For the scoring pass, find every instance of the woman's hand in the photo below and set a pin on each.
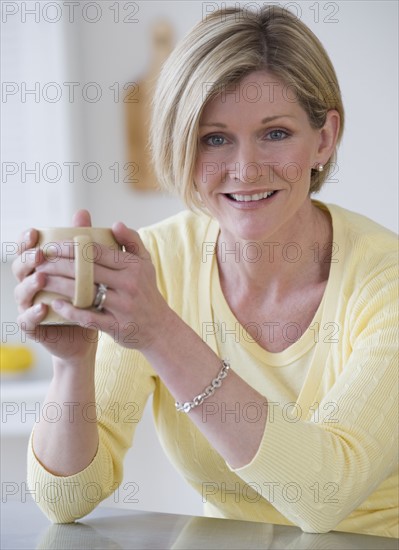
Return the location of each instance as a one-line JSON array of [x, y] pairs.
[[65, 342], [134, 312]]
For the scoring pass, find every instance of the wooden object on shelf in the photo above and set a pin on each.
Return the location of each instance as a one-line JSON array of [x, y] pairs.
[[138, 111]]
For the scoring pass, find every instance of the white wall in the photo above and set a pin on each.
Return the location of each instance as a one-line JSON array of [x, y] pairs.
[[361, 38]]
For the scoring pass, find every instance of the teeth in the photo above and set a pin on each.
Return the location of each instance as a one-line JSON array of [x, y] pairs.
[[247, 198]]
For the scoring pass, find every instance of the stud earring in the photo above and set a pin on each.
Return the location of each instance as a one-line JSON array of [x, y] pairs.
[[320, 167]]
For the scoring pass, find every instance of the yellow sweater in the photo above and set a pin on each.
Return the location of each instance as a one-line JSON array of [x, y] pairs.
[[328, 458]]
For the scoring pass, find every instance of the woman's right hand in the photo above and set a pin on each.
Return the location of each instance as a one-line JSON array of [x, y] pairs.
[[70, 342], [59, 445]]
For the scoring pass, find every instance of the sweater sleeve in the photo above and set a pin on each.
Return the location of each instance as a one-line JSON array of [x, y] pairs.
[[124, 381], [320, 470]]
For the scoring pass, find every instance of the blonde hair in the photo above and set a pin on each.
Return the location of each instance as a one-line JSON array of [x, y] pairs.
[[219, 51]]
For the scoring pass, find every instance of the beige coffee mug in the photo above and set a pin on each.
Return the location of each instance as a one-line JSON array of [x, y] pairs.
[[83, 249]]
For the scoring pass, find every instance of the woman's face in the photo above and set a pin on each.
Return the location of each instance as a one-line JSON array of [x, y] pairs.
[[256, 152]]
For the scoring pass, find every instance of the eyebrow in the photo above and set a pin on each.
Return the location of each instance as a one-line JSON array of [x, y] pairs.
[[263, 121]]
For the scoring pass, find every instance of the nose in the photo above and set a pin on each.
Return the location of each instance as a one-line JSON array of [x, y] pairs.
[[244, 165]]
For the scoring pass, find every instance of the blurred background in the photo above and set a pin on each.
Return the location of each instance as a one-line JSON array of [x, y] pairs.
[[77, 79]]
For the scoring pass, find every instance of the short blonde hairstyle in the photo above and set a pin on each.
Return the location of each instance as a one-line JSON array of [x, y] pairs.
[[219, 51]]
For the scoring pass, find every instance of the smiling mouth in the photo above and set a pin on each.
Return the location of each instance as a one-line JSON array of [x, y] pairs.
[[251, 198]]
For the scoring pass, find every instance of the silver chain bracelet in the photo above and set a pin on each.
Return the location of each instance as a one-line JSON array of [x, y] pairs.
[[208, 391]]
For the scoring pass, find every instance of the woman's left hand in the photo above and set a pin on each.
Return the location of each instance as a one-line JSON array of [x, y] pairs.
[[134, 312]]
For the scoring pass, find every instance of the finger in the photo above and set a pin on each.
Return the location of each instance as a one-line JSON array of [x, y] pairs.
[[64, 271], [27, 262], [130, 239], [88, 318], [27, 289], [65, 287], [27, 240], [30, 319], [58, 265], [81, 218], [60, 260]]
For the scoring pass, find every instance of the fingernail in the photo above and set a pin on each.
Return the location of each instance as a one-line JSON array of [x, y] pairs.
[[57, 304], [28, 235], [37, 309]]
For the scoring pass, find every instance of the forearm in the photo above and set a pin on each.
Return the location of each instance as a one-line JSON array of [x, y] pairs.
[[66, 442], [187, 365]]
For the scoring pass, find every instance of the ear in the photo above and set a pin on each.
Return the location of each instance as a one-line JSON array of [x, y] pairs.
[[328, 137]]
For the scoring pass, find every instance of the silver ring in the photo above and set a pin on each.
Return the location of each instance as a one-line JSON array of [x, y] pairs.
[[99, 299]]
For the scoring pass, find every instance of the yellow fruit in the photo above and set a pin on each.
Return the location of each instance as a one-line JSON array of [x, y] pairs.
[[15, 358]]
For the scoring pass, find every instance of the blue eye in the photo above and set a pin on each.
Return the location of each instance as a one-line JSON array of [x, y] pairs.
[[277, 135], [214, 140]]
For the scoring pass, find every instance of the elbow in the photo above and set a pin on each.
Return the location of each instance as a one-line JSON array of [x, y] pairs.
[[61, 501], [57, 519], [317, 527], [320, 521], [64, 512]]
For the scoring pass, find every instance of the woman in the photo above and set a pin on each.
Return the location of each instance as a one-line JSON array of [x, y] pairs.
[[263, 322]]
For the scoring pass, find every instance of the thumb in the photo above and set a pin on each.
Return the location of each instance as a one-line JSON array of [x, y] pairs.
[[130, 239], [81, 218]]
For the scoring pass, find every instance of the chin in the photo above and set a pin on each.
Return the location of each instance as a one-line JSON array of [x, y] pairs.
[[252, 232]]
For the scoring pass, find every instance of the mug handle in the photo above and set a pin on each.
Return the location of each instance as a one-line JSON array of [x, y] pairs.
[[84, 272]]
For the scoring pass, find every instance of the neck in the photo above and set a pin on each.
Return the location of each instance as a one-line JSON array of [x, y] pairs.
[[295, 257]]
